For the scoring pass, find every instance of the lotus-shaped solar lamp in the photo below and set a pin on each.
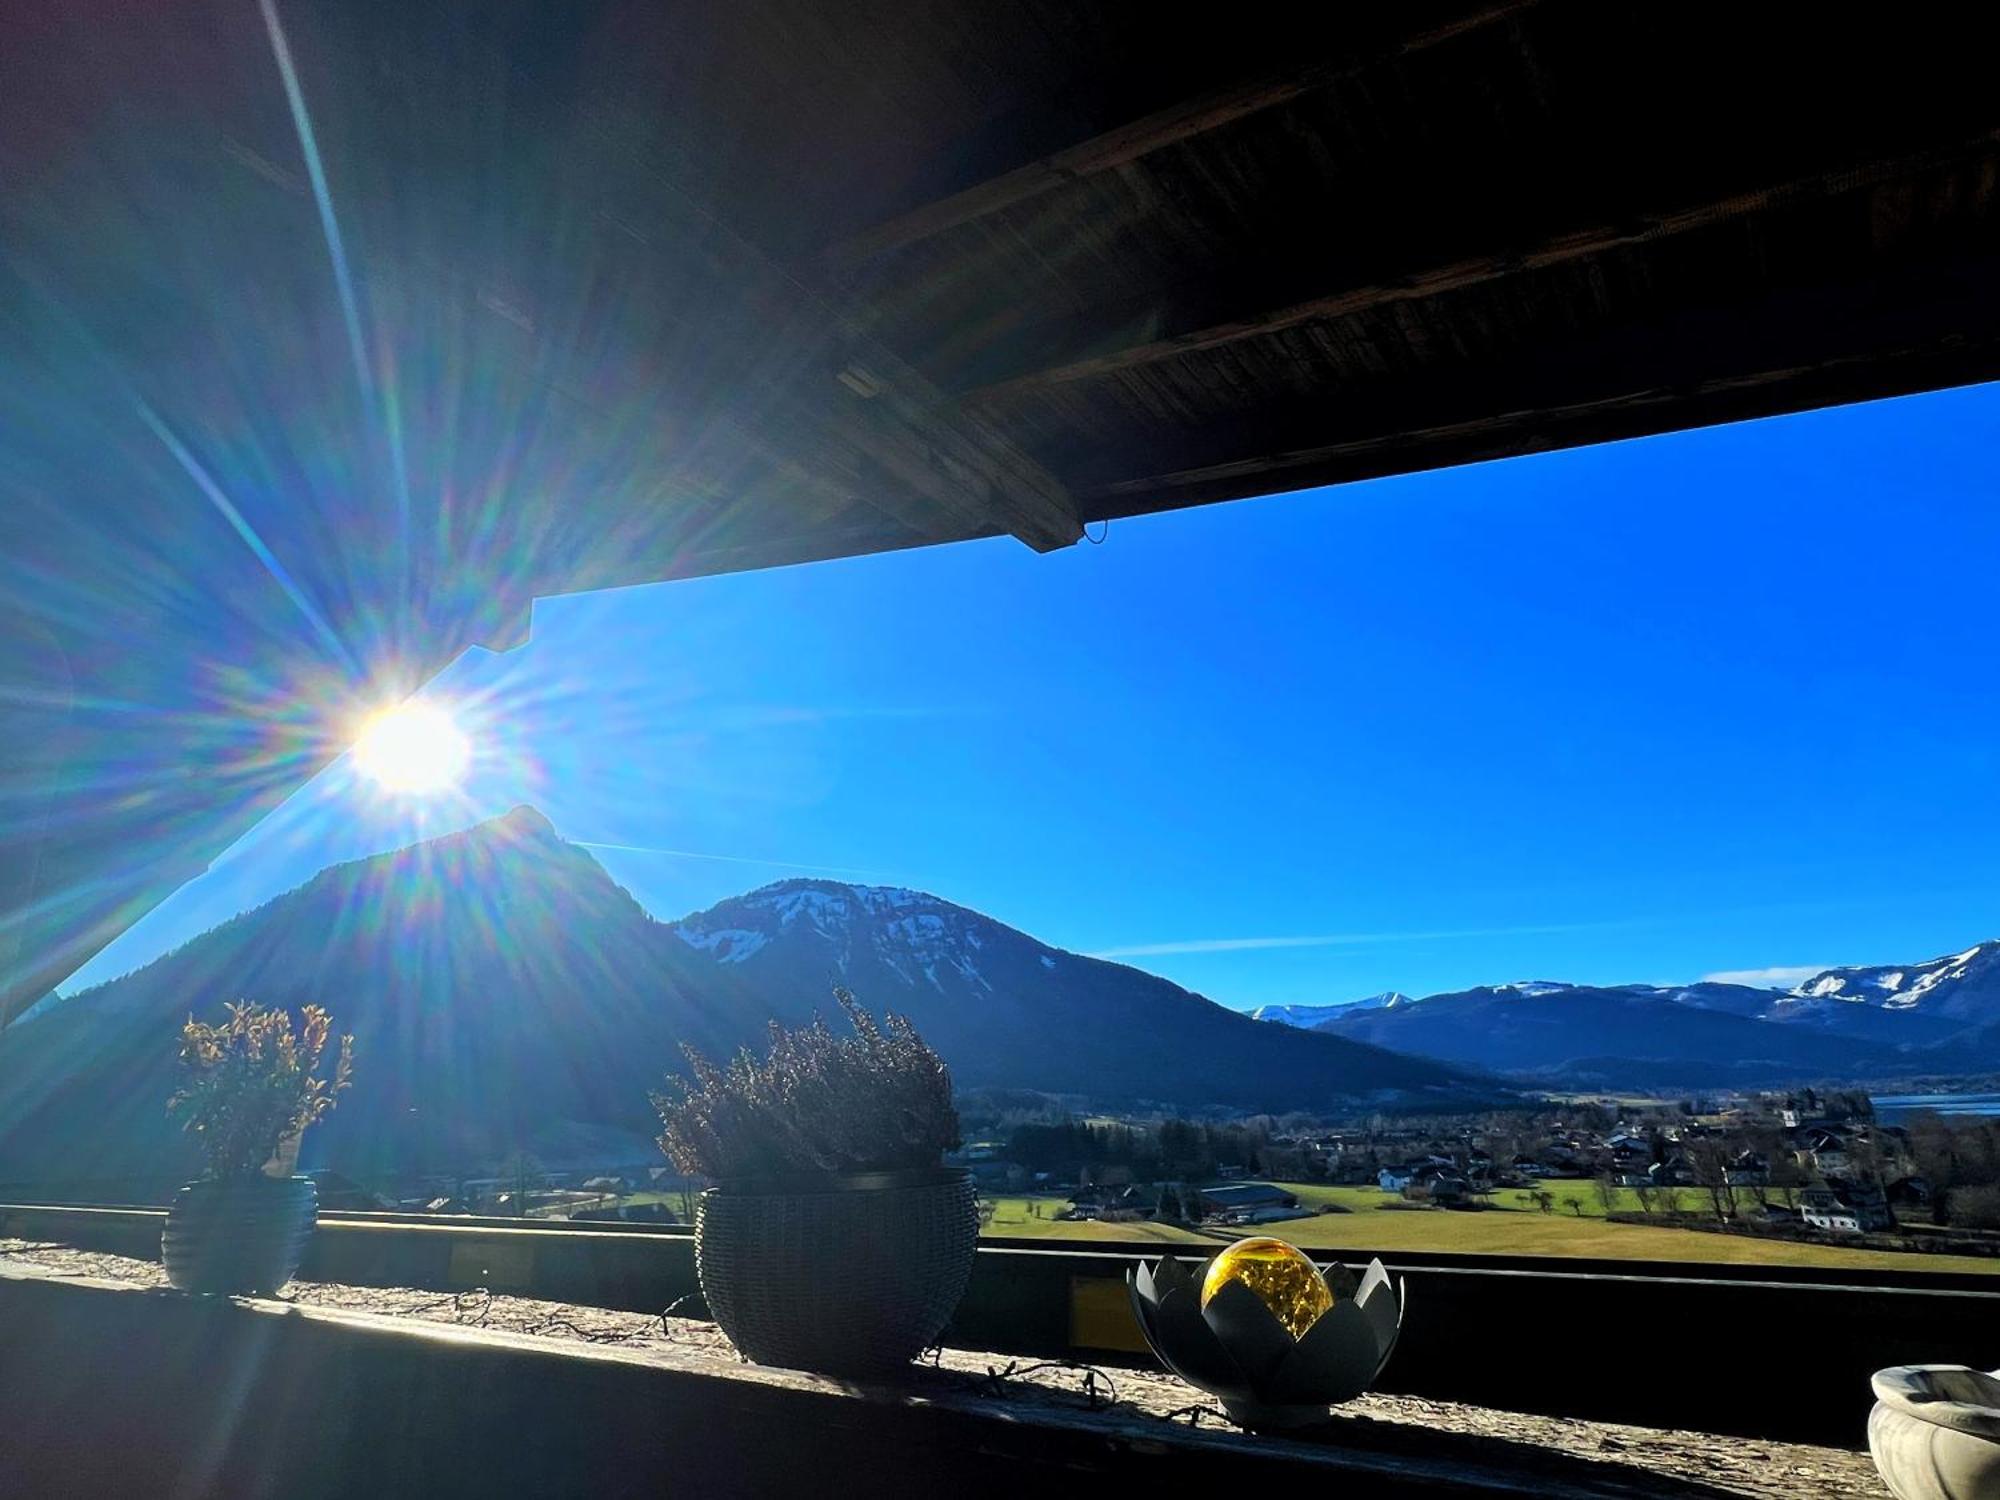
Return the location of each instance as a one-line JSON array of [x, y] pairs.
[[1264, 1333]]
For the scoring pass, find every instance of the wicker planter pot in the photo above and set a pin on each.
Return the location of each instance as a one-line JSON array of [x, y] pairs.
[[844, 1275], [240, 1236]]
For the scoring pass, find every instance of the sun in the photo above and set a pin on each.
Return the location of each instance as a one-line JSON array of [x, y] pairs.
[[413, 749]]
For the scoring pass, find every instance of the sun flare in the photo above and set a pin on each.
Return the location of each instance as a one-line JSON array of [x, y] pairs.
[[413, 749]]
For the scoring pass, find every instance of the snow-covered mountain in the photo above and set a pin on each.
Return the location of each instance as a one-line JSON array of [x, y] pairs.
[[1935, 999], [505, 992], [1307, 1016], [1004, 1009], [1603, 1036], [1940, 1016], [1906, 986]]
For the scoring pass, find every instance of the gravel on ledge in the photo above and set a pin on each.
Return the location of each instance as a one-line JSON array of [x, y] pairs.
[[1693, 1463]]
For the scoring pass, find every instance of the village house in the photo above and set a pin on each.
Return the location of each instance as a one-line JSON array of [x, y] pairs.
[[1845, 1207], [1394, 1179], [1433, 1180], [1909, 1192], [1799, 1109], [1444, 1190], [1107, 1175], [1247, 1203], [1111, 1205], [1748, 1169], [1823, 1150], [1671, 1173], [1565, 1158], [1629, 1159]]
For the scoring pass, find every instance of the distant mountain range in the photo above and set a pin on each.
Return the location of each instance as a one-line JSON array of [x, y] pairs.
[[505, 993], [1937, 1017], [1312, 1015]]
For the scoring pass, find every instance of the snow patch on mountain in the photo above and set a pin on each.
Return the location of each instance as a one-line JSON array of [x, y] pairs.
[[730, 945], [919, 937], [1306, 1017], [1904, 987]]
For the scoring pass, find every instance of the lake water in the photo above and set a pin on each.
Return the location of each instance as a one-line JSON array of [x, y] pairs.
[[1892, 1108]]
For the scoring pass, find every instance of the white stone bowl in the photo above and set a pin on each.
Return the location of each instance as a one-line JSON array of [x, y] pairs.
[[1935, 1432]]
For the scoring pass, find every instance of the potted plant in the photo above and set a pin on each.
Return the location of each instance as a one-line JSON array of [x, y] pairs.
[[249, 1088], [833, 1237]]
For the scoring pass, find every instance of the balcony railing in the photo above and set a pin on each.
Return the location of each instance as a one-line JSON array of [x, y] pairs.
[[117, 1386], [1785, 1353]]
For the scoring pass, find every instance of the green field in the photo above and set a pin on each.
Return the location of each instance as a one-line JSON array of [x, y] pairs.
[[1513, 1226]]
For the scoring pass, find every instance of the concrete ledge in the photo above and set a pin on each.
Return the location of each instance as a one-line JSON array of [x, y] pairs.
[[1760, 1355], [116, 1391]]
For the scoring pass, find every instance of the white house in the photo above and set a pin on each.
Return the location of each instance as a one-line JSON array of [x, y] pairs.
[[1845, 1208]]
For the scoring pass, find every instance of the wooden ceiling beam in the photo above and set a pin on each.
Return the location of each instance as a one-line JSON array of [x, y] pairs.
[[942, 472], [1141, 137], [1098, 353], [1517, 433], [1938, 325], [783, 552], [978, 480]]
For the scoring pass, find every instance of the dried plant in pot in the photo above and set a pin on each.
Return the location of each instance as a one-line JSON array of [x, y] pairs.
[[250, 1086], [833, 1238]]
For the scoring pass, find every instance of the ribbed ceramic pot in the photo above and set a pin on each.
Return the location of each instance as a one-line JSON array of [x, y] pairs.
[[240, 1236], [1935, 1432], [848, 1275]]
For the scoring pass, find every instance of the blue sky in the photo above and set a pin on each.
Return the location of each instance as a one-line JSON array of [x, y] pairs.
[[1720, 701]]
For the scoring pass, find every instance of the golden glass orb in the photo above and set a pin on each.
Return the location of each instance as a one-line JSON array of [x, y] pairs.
[[1289, 1284]]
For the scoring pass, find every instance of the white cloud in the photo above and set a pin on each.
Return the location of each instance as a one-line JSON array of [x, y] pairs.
[[1777, 977]]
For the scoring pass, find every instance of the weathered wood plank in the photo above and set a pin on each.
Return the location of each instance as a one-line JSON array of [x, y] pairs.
[[1092, 359], [1116, 148], [1540, 427], [839, 384]]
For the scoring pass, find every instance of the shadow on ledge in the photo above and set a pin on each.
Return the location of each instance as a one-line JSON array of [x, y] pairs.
[[117, 1391]]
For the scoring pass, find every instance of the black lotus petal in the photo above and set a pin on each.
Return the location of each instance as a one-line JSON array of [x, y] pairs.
[[1254, 1337], [1339, 1281], [1401, 1293], [1333, 1362], [1188, 1346], [1383, 1306], [1171, 1272]]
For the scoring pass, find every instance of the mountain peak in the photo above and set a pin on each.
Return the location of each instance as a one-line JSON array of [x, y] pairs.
[[520, 821], [889, 919], [1906, 986], [507, 994], [513, 831], [829, 904], [1305, 1017], [867, 897]]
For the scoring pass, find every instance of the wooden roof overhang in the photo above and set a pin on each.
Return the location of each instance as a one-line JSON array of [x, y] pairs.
[[333, 335]]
